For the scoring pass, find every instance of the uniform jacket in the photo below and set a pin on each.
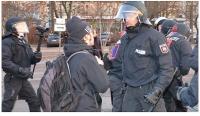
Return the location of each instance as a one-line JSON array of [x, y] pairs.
[[16, 53], [181, 51], [145, 57]]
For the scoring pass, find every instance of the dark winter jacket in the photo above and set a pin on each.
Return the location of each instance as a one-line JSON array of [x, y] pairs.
[[181, 51], [16, 53], [145, 57], [193, 62], [189, 95], [86, 73]]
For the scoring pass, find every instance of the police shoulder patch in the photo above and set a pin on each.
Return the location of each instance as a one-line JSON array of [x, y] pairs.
[[164, 48]]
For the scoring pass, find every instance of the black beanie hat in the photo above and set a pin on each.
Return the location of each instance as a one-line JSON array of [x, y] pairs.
[[77, 28]]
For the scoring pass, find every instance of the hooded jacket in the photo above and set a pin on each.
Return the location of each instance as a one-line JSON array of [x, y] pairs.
[[86, 74]]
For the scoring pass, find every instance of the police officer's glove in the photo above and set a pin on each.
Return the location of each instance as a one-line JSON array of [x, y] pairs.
[[153, 96], [107, 62], [37, 56], [177, 73], [184, 71], [25, 73]]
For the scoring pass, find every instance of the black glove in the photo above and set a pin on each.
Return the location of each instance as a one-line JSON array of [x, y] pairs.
[[184, 70], [107, 62], [25, 73], [153, 96], [174, 92], [177, 73], [37, 57]]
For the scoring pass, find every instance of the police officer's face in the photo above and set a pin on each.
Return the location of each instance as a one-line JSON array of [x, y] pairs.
[[131, 19], [159, 28]]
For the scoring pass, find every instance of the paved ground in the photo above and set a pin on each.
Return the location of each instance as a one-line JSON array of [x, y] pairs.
[[49, 54]]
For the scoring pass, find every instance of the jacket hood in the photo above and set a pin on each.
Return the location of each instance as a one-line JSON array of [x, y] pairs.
[[72, 46]]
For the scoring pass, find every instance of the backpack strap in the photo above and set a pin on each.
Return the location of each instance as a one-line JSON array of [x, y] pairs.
[[76, 98], [80, 52]]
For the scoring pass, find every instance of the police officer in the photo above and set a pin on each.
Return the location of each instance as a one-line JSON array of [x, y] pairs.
[[183, 29], [189, 95], [158, 23], [181, 51], [146, 60], [17, 57]]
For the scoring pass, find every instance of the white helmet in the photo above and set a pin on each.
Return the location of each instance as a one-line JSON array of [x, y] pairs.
[[136, 8], [158, 20]]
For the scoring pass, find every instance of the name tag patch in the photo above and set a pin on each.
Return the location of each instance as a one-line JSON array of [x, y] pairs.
[[142, 52]]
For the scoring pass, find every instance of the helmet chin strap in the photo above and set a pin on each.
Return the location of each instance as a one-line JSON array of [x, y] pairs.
[[139, 19]]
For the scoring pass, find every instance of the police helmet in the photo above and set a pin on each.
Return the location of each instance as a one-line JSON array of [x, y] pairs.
[[167, 26], [133, 8], [159, 21], [183, 29]]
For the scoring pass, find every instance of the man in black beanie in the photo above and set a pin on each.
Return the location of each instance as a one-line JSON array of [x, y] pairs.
[[85, 71]]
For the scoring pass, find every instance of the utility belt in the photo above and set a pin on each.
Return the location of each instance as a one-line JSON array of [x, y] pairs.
[[125, 86], [10, 76]]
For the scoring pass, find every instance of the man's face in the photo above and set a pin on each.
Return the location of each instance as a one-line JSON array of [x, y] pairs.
[[159, 28], [21, 27], [131, 19], [89, 39]]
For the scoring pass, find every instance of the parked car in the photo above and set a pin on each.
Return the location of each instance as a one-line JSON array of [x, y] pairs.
[[53, 40]]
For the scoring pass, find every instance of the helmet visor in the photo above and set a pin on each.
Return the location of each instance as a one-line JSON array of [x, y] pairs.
[[21, 27], [127, 11]]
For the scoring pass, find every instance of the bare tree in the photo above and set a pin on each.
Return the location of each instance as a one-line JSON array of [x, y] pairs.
[[67, 5], [54, 9], [160, 8]]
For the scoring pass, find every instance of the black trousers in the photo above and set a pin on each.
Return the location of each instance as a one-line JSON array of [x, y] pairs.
[[99, 101], [171, 103], [134, 99], [116, 88], [19, 87]]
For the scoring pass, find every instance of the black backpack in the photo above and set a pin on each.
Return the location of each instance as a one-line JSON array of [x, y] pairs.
[[55, 91]]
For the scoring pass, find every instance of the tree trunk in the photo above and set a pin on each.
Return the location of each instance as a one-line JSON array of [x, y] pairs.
[[191, 19], [70, 10], [54, 9], [52, 15], [195, 23], [60, 8]]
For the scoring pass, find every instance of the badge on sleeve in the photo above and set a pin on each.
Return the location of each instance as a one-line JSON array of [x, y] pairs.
[[164, 48]]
